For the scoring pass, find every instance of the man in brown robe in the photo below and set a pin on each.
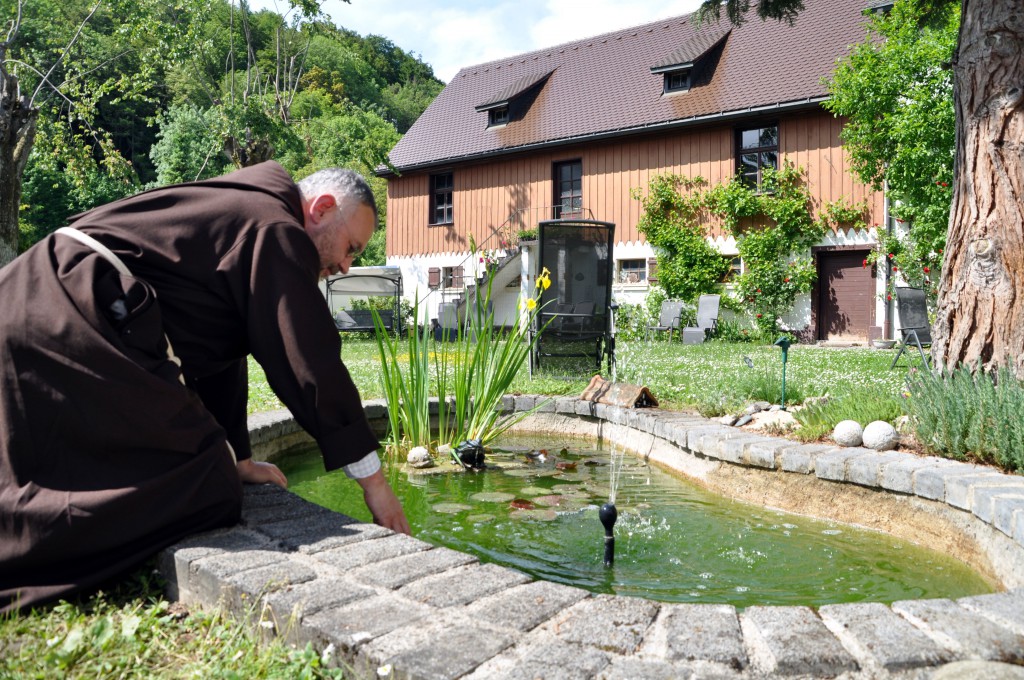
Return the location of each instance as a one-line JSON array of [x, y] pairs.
[[123, 391]]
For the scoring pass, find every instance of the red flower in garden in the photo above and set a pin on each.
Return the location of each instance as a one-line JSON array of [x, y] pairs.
[[758, 316], [758, 290], [926, 270], [891, 256], [888, 297], [865, 262], [940, 251], [895, 269], [786, 280]]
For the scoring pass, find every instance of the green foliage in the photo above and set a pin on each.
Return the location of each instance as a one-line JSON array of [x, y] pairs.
[[764, 383], [189, 146], [963, 415], [468, 375], [896, 91], [134, 632], [688, 265], [864, 405], [774, 270]]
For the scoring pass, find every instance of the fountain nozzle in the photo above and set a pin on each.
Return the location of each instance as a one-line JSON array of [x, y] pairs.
[[608, 514]]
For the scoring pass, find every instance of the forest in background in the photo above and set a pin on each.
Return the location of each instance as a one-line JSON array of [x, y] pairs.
[[136, 94]]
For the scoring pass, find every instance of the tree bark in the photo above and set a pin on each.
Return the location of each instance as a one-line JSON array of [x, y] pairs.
[[980, 316], [17, 134]]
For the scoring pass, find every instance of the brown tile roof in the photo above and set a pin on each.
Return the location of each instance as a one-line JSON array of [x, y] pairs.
[[603, 86], [512, 91], [694, 48]]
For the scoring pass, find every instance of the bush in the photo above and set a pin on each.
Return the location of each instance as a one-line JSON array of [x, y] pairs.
[[961, 415], [864, 405]]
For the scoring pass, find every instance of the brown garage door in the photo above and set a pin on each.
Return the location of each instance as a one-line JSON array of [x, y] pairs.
[[846, 302]]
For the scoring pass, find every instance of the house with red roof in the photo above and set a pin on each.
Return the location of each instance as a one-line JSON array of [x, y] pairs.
[[573, 130]]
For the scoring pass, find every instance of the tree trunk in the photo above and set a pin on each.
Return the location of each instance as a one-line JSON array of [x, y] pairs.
[[980, 316], [17, 134]]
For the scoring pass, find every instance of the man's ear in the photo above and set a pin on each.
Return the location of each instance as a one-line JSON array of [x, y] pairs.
[[320, 206]]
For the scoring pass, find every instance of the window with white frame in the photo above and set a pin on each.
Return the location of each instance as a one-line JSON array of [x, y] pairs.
[[631, 271]]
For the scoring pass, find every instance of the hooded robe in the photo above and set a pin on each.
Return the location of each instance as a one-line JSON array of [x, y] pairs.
[[105, 456]]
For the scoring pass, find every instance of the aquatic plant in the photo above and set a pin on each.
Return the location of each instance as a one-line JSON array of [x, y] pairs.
[[470, 375]]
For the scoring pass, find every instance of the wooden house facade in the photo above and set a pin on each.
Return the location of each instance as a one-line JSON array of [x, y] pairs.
[[580, 129]]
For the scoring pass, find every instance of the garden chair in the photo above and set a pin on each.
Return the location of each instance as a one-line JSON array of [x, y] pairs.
[[668, 319], [447, 328], [707, 320], [914, 327]]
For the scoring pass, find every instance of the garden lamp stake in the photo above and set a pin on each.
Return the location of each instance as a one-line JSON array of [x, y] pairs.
[[783, 342]]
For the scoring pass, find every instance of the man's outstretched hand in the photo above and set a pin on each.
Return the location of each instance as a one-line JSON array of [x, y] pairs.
[[255, 472], [383, 503]]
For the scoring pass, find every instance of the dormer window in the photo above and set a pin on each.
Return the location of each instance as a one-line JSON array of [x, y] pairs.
[[689, 65], [513, 101], [677, 81], [498, 116]]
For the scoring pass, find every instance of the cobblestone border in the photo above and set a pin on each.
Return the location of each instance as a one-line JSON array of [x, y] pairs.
[[384, 603]]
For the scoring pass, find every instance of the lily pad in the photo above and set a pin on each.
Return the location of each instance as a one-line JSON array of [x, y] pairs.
[[534, 491], [540, 514], [522, 504], [523, 472], [552, 500], [492, 497], [451, 508], [566, 465], [480, 519]]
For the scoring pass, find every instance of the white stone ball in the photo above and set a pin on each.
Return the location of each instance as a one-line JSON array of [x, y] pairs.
[[419, 457], [880, 436], [848, 433]]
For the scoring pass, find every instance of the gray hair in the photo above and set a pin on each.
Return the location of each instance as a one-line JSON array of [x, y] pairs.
[[343, 184]]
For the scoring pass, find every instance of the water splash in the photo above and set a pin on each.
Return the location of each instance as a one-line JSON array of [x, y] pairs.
[[618, 455]]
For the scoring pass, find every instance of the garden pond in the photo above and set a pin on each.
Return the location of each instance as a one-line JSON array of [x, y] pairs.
[[675, 542]]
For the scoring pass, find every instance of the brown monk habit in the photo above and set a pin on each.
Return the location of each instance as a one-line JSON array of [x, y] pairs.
[[105, 457]]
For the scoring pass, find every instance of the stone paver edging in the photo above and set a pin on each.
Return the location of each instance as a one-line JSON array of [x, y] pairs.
[[388, 604]]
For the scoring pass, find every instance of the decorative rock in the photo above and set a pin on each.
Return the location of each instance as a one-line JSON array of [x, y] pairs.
[[728, 420], [848, 433], [744, 420], [756, 407], [419, 457], [880, 436]]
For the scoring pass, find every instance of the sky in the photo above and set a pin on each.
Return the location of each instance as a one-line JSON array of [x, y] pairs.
[[451, 34]]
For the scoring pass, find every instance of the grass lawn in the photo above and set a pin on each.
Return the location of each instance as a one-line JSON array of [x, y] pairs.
[[132, 631]]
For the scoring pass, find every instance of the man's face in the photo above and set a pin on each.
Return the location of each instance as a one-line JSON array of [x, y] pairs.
[[340, 233]]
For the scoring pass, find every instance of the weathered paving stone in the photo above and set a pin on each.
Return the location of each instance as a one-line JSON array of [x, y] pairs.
[[960, 490], [764, 454], [445, 647], [633, 668], [794, 641], [607, 622], [293, 602], [174, 562], [986, 497], [462, 585], [208, 576], [250, 585], [584, 408], [565, 405], [833, 465], [697, 632], [361, 620], [546, 405], [541, 658], [526, 606], [968, 632], [734, 450], [1006, 609], [931, 482], [398, 571], [978, 670], [874, 632], [1004, 509], [371, 552], [800, 457], [525, 402], [265, 508], [866, 470], [898, 475], [310, 534]]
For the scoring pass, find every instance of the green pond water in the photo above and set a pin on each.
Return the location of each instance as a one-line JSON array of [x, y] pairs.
[[675, 542]]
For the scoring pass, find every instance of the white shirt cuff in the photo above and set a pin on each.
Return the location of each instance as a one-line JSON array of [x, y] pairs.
[[364, 467]]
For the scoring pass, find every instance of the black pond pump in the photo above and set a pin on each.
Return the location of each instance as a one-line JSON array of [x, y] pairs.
[[471, 454], [608, 514]]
